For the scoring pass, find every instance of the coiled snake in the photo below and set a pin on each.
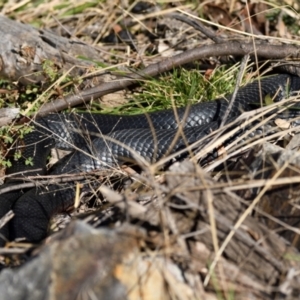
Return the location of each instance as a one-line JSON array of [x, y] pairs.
[[150, 136]]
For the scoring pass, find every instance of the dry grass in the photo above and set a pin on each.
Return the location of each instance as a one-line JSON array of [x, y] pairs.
[[200, 230]]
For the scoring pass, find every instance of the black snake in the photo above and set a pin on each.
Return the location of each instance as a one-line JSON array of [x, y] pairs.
[[103, 141]]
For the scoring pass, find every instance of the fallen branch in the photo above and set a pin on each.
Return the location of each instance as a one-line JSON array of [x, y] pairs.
[[24, 49], [234, 48]]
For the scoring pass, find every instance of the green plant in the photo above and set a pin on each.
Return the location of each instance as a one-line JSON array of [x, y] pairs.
[[7, 135], [178, 88]]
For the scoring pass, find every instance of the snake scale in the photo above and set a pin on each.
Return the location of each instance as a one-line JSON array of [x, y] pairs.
[[101, 141]]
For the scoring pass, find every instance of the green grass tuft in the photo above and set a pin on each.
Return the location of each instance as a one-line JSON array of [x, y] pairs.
[[180, 88]]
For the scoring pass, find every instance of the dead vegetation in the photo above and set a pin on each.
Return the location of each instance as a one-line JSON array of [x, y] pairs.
[[225, 230]]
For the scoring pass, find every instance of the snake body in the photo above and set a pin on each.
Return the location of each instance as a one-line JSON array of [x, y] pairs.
[[102, 141]]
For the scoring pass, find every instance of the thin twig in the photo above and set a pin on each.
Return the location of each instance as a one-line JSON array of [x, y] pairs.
[[236, 88], [36, 181], [200, 27]]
